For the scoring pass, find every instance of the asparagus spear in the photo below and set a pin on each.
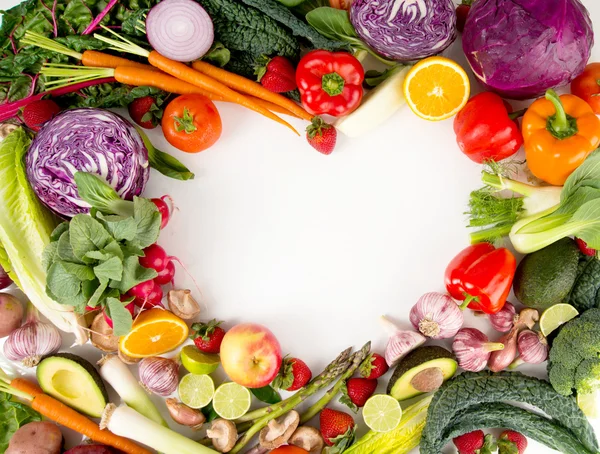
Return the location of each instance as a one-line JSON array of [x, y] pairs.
[[271, 412]]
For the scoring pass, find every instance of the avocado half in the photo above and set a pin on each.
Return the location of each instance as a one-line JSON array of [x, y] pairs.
[[421, 371], [73, 381]]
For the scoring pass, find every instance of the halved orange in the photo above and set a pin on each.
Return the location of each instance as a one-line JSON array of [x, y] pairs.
[[156, 331], [436, 88]]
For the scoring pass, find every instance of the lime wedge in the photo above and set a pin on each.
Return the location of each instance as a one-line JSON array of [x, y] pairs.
[[382, 413], [197, 362], [589, 404], [555, 316], [196, 391], [231, 401]]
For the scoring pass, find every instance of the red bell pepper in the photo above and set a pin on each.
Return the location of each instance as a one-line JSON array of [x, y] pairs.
[[485, 129], [330, 82], [481, 276]]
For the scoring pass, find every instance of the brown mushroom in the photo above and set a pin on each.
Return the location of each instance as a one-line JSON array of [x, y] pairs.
[[279, 430], [308, 438], [6, 129], [183, 304], [102, 336], [223, 434]]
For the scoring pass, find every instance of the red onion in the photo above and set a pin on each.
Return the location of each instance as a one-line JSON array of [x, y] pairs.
[[5, 280], [180, 30]]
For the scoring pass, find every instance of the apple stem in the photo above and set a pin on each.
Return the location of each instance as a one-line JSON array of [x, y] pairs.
[[346, 364]]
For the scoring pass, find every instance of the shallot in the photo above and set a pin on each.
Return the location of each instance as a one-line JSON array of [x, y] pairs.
[[32, 341], [533, 348], [500, 360], [159, 375], [11, 314], [184, 415], [473, 349], [437, 316], [504, 319], [400, 342]]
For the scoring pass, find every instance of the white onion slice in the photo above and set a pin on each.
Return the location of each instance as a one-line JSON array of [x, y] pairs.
[[180, 30]]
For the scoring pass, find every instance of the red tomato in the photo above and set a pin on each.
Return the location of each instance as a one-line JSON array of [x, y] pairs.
[[191, 123], [587, 86], [289, 449]]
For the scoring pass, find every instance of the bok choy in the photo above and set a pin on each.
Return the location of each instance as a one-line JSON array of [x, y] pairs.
[[25, 229]]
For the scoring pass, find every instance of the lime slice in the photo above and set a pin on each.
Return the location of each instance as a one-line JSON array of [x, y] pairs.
[[196, 391], [589, 404], [382, 413], [555, 316], [231, 401], [197, 362]]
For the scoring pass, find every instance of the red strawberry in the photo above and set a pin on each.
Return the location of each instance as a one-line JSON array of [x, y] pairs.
[[374, 367], [475, 443], [462, 11], [337, 429], [277, 75], [511, 442], [39, 112], [293, 375], [357, 391], [584, 248], [208, 336], [321, 136], [145, 111]]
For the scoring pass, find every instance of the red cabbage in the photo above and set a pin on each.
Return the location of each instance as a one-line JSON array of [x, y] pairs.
[[89, 140], [520, 48], [405, 30]]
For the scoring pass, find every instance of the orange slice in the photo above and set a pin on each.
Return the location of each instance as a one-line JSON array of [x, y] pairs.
[[436, 88], [156, 331]]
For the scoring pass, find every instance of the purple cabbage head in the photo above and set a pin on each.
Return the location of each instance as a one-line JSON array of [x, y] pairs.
[[405, 30], [520, 48], [89, 140]]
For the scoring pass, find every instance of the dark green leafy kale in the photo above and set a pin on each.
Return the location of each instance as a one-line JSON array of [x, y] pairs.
[[534, 426], [585, 293], [468, 389]]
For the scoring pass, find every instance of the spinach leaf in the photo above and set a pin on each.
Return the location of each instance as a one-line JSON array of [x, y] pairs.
[[534, 426], [471, 388], [266, 394], [332, 23], [168, 165], [12, 416]]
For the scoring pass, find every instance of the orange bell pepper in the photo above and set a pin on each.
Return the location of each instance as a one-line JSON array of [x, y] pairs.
[[558, 134]]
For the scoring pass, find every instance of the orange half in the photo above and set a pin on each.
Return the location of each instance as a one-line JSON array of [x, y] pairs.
[[436, 88], [156, 331]]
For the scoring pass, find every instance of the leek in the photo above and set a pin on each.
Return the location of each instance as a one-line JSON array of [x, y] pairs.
[[25, 228], [126, 422], [117, 374]]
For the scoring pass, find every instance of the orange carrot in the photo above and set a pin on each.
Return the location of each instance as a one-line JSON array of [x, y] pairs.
[[184, 72], [102, 60], [250, 87], [26, 386], [158, 79]]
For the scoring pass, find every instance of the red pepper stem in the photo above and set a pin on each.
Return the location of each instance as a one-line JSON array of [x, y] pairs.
[[333, 84], [468, 300], [560, 124]]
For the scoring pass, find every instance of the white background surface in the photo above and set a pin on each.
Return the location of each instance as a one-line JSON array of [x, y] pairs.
[[318, 247]]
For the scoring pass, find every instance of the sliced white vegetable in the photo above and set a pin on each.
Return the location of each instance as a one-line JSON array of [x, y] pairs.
[[377, 106], [117, 374]]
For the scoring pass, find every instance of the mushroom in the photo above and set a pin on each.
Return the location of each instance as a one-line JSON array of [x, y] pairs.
[[279, 430], [6, 129], [307, 438], [128, 359], [223, 434], [183, 304]]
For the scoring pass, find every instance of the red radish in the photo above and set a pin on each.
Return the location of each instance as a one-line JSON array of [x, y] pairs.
[[155, 257], [164, 209], [155, 297], [142, 290], [167, 275], [130, 307]]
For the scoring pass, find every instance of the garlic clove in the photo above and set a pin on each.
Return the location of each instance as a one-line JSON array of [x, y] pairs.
[[159, 375], [184, 415], [400, 342]]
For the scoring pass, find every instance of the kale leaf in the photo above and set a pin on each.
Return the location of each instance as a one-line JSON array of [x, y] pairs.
[[585, 293]]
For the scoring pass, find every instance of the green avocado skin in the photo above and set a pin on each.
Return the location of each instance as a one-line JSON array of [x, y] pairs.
[[546, 277]]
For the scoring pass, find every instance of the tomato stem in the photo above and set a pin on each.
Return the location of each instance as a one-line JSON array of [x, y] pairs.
[[186, 123]]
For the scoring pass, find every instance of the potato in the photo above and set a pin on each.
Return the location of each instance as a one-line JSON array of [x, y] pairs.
[[91, 449], [11, 314], [36, 438]]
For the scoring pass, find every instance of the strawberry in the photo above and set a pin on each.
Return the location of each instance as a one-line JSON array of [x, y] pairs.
[[321, 136], [293, 375], [357, 391], [584, 248], [475, 443], [39, 112], [462, 11], [208, 336], [511, 442], [374, 367], [337, 429], [146, 111], [277, 74]]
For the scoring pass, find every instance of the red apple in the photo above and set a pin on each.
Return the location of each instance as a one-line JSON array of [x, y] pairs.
[[250, 355]]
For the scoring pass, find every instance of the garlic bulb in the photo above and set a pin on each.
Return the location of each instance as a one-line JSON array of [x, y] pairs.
[[437, 316], [533, 348], [504, 319], [473, 349], [400, 342], [159, 375], [33, 340]]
